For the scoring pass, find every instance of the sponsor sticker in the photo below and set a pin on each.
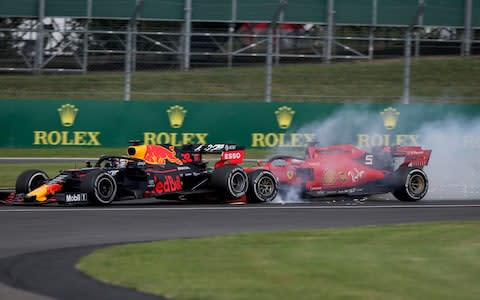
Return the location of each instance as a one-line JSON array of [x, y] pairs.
[[75, 197], [233, 156], [329, 177], [342, 176], [356, 174]]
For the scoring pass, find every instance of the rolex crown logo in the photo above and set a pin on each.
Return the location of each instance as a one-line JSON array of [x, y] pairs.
[[67, 112], [284, 116], [176, 115], [390, 117]]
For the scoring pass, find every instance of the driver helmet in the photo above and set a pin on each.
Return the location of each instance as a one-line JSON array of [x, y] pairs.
[[122, 163]]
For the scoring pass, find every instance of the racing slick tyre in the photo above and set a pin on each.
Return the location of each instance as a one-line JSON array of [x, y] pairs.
[[29, 180], [230, 181], [100, 187], [262, 186], [413, 185]]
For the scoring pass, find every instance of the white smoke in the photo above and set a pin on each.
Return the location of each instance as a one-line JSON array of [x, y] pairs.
[[291, 195], [454, 167], [343, 125]]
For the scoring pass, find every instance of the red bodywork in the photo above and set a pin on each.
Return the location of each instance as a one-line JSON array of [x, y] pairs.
[[344, 169]]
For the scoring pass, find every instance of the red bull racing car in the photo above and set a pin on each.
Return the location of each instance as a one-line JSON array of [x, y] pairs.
[[349, 170], [160, 171]]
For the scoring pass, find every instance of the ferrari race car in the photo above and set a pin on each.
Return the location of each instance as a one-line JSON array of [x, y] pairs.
[[160, 171], [349, 170]]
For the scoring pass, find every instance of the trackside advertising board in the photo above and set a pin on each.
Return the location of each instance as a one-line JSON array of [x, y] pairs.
[[69, 123]]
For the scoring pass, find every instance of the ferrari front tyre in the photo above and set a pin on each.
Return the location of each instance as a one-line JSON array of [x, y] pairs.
[[100, 187], [29, 180], [230, 181], [262, 186], [413, 186]]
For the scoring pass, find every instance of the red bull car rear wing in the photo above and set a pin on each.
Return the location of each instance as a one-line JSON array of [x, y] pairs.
[[165, 153]]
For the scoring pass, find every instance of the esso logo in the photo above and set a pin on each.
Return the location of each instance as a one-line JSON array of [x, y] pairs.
[[232, 155]]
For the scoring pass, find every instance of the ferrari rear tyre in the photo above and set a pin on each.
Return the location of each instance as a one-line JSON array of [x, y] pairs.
[[262, 186], [230, 181], [101, 187], [29, 180], [414, 185]]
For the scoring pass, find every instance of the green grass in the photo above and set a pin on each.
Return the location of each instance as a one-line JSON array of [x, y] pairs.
[[60, 152], [433, 79], [419, 261], [9, 172]]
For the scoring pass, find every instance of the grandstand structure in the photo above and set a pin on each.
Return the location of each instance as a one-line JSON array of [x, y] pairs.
[[87, 35]]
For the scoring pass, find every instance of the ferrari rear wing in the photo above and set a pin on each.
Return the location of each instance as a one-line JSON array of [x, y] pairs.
[[413, 156]]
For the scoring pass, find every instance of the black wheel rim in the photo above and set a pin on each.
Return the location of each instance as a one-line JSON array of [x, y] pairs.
[[105, 188], [238, 183]]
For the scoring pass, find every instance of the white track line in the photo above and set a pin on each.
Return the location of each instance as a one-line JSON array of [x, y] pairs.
[[110, 209]]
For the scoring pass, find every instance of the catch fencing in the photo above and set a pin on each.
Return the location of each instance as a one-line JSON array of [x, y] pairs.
[[91, 35], [128, 36]]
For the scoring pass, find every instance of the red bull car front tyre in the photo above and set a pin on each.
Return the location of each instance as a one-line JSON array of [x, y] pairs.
[[29, 180]]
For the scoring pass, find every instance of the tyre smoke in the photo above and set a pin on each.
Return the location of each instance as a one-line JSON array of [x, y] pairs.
[[454, 167]]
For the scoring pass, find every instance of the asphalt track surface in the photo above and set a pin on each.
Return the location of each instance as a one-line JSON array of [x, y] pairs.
[[39, 246]]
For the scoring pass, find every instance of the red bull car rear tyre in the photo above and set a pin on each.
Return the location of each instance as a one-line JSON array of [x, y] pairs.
[[231, 181]]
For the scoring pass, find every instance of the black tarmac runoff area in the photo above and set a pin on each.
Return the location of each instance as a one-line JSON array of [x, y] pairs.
[[39, 245]]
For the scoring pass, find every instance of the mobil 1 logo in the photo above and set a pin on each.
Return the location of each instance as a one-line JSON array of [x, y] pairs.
[[73, 198]]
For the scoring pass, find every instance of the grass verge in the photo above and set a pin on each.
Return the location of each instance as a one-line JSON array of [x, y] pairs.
[[436, 79], [417, 261]]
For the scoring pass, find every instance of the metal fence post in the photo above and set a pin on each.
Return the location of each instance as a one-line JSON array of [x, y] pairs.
[[329, 38], [187, 34], [371, 35], [467, 38], [85, 37], [231, 30], [134, 41], [277, 41], [128, 63], [406, 68], [408, 53], [128, 51], [39, 43], [269, 60], [417, 36]]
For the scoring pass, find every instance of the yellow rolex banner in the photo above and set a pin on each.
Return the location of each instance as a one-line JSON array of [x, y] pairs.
[[70, 123]]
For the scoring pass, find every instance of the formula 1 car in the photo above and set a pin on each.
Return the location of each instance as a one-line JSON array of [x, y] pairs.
[[160, 171], [349, 170]]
